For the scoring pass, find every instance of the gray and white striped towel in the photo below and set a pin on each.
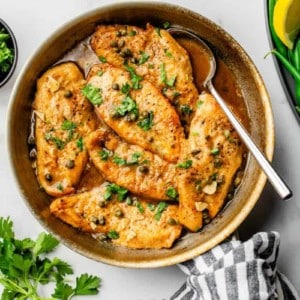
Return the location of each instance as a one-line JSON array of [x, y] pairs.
[[237, 271]]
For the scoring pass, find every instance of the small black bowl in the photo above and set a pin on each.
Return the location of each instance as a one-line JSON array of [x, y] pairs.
[[11, 43]]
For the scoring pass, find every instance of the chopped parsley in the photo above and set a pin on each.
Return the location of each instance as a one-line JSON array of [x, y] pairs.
[[125, 89], [79, 143], [140, 207], [119, 161], [144, 57], [58, 142], [128, 106], [93, 94], [171, 192], [114, 189], [100, 73], [168, 54], [215, 151], [134, 78], [161, 207], [185, 165], [123, 162], [132, 33], [199, 103], [69, 126], [157, 30], [102, 59], [112, 234], [151, 206], [166, 25], [147, 122], [163, 77], [60, 187], [104, 154], [186, 110], [6, 53]]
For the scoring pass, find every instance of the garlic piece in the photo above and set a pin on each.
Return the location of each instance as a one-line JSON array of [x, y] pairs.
[[200, 206], [210, 189]]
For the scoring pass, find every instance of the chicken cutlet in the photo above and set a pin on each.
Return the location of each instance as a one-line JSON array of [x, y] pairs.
[[155, 56], [63, 118], [106, 211], [211, 157], [142, 116], [140, 171]]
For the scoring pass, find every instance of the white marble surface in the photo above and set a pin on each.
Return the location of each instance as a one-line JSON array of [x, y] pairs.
[[33, 20]]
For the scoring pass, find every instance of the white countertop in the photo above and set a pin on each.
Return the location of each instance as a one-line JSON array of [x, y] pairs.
[[34, 20]]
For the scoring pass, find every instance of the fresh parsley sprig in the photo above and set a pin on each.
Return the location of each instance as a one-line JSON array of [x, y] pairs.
[[24, 266]]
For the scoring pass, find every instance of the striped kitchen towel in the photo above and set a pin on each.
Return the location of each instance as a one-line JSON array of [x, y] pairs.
[[237, 271]]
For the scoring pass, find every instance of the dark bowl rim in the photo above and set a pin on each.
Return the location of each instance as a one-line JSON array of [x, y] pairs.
[[15, 46]]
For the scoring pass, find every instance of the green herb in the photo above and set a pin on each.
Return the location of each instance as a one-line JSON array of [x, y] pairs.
[[150, 66], [161, 207], [70, 126], [104, 154], [102, 59], [60, 187], [140, 207], [114, 189], [168, 54], [58, 142], [123, 162], [100, 73], [119, 161], [125, 89], [185, 165], [171, 192], [79, 143], [157, 30], [6, 53], [93, 94], [147, 122], [166, 25], [163, 77], [199, 103], [144, 57], [186, 110], [128, 106], [134, 78], [132, 33], [151, 206], [25, 267], [215, 151], [113, 235]]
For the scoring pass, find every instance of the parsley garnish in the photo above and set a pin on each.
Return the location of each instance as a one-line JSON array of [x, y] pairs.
[[199, 103], [144, 57], [119, 161], [102, 59], [132, 33], [168, 54], [79, 143], [140, 207], [171, 192], [114, 189], [93, 94], [123, 162], [128, 106], [163, 77], [6, 53], [24, 268], [186, 110], [104, 154], [151, 206], [185, 165], [60, 187], [147, 122], [157, 30], [125, 89], [166, 25], [69, 126], [215, 151], [134, 78], [113, 235], [58, 142], [161, 207]]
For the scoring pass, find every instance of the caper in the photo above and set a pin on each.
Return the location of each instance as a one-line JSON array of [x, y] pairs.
[[118, 33], [114, 44], [123, 32], [119, 213], [143, 169], [70, 163], [172, 221], [68, 94], [123, 54], [48, 177], [128, 52], [115, 86]]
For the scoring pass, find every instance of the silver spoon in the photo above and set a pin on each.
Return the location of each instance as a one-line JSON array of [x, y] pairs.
[[278, 184]]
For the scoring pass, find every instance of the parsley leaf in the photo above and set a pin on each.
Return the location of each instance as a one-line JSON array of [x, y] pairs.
[[93, 94], [186, 110], [161, 207], [163, 77], [23, 270], [113, 235], [125, 89], [114, 189], [104, 154], [102, 59], [134, 78], [171, 193], [128, 106], [147, 122], [79, 143], [144, 57], [6, 53], [185, 165], [119, 161]]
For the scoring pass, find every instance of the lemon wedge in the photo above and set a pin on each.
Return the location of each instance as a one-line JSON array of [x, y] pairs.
[[286, 21]]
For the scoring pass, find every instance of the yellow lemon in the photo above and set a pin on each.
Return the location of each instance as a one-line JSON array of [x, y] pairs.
[[286, 21]]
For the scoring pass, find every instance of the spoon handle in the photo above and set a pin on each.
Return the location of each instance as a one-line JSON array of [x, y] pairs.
[[279, 185]]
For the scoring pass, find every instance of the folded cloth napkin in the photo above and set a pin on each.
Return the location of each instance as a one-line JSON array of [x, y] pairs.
[[237, 271]]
